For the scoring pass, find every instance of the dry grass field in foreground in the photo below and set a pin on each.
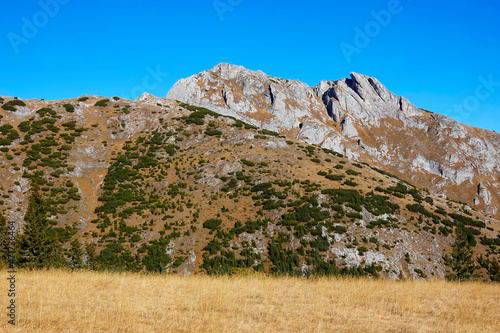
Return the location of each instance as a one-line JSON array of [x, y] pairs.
[[58, 301]]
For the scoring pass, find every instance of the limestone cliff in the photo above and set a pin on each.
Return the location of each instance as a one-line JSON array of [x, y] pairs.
[[360, 118]]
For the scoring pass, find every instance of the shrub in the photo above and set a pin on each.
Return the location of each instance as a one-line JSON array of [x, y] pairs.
[[24, 126], [212, 224], [362, 250], [83, 99], [352, 172], [11, 105], [339, 229], [467, 220], [8, 107], [70, 125], [334, 177], [247, 162], [213, 132], [102, 102], [198, 115], [261, 187], [354, 215], [417, 208], [267, 132], [43, 111], [420, 272], [69, 107]]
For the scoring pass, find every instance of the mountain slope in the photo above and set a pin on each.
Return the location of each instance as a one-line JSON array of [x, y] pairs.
[[164, 186], [360, 118]]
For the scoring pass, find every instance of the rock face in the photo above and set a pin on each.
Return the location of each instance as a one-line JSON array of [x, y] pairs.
[[254, 97], [360, 118]]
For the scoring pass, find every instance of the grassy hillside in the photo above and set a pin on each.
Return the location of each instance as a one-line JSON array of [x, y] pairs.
[[58, 301], [167, 187]]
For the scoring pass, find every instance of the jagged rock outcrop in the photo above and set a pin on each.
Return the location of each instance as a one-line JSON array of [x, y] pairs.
[[359, 117], [254, 97]]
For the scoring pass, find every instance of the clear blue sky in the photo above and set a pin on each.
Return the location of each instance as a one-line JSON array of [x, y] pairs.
[[432, 52]]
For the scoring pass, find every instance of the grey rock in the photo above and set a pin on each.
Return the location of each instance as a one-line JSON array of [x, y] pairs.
[[370, 124]]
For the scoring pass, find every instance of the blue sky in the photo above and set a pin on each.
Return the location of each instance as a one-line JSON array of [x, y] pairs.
[[443, 56]]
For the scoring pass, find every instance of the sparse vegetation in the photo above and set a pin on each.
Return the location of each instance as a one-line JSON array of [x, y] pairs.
[[102, 102], [199, 175]]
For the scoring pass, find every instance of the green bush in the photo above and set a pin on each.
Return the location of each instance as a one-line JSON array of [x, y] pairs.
[[247, 162], [43, 111], [11, 105], [69, 107], [417, 208], [213, 132], [362, 250], [352, 172], [354, 215], [198, 115], [212, 224], [70, 125], [467, 220], [350, 183], [267, 132], [102, 102], [334, 177]]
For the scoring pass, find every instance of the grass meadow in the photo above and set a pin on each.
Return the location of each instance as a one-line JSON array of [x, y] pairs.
[[62, 301]]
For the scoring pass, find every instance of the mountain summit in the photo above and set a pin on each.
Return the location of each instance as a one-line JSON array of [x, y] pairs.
[[360, 118]]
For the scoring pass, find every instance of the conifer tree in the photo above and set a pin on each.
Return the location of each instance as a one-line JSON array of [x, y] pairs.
[[76, 255], [4, 241], [90, 253], [37, 248], [461, 259], [492, 267]]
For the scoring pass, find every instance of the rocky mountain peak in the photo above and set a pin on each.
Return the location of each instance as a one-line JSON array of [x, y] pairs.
[[225, 67], [361, 118]]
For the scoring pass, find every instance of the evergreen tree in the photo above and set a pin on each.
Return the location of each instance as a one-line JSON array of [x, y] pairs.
[[90, 252], [37, 248], [492, 267], [461, 260], [157, 259], [76, 255], [494, 270], [4, 241]]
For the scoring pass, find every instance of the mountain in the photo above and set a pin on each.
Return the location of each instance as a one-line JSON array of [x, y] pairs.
[[360, 118], [158, 185]]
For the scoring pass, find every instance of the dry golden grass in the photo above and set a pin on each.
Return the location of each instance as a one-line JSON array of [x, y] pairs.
[[58, 301]]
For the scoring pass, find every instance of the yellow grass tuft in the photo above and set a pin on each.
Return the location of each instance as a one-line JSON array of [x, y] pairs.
[[59, 301]]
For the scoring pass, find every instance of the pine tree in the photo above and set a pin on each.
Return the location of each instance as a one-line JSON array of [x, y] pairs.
[[76, 255], [90, 252], [157, 259], [461, 260], [37, 248], [4, 241], [492, 267]]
